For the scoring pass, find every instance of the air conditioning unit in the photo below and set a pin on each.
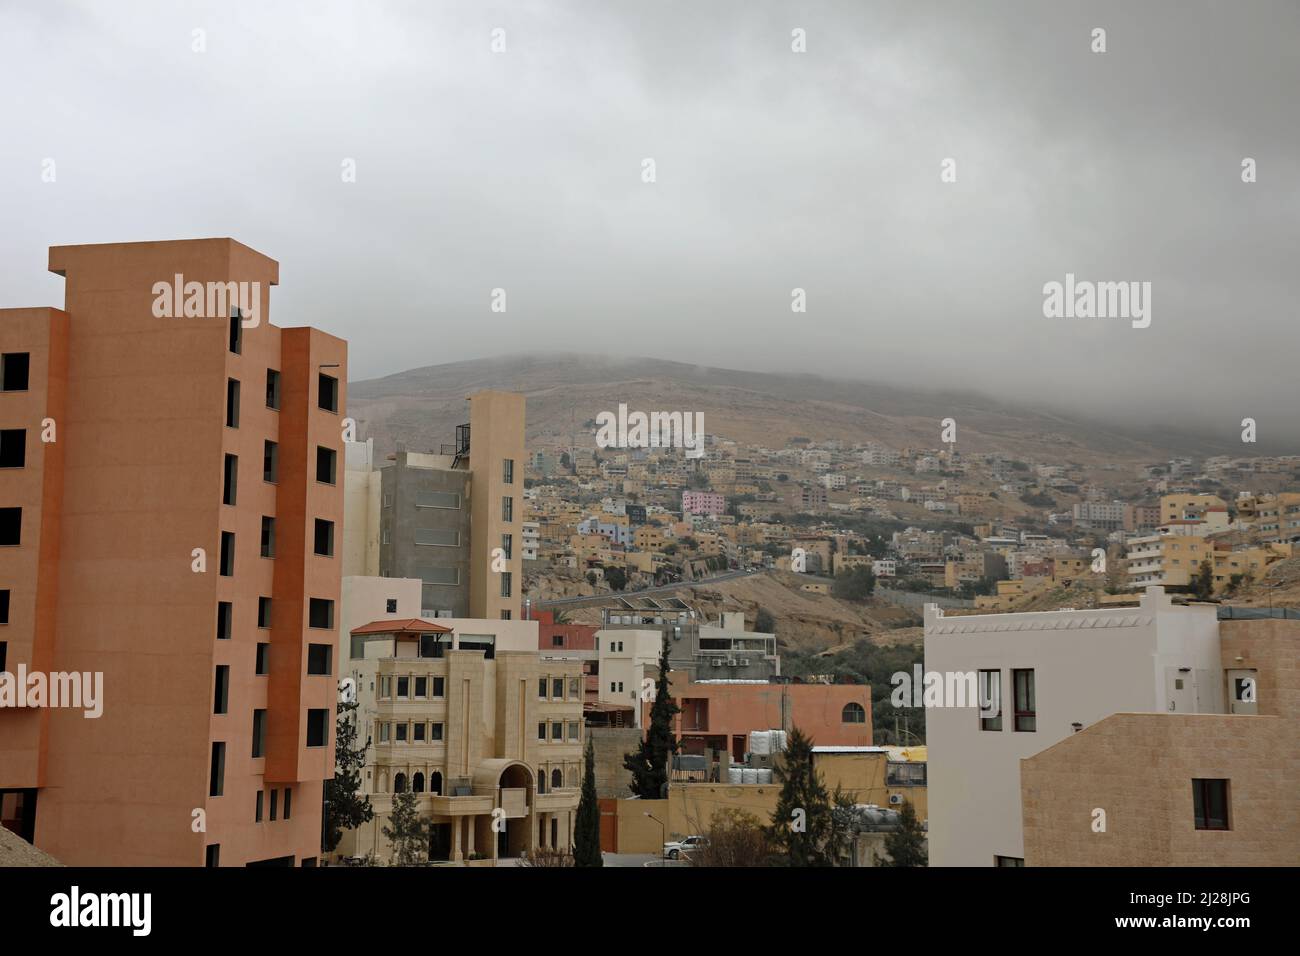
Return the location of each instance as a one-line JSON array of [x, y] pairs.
[[717, 662], [744, 662], [895, 799], [731, 662]]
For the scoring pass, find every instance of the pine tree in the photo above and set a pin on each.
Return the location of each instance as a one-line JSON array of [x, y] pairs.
[[906, 846], [649, 762], [347, 807], [802, 823], [409, 834], [586, 830]]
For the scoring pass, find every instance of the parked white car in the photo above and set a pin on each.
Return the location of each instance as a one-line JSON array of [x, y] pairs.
[[680, 848]]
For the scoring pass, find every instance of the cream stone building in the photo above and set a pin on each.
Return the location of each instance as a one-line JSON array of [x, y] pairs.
[[469, 715]]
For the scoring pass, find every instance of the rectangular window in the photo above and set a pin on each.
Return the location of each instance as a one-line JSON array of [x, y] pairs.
[[328, 398], [325, 538], [990, 700], [236, 332], [217, 770], [401, 733], [435, 732], [573, 730], [557, 640], [316, 727], [221, 691], [1210, 804], [227, 554], [437, 499], [268, 537], [1026, 714], [439, 687], [14, 371], [557, 730], [1008, 861], [257, 812], [259, 733], [383, 733], [288, 800], [433, 574], [385, 688], [263, 665], [391, 606], [225, 620], [422, 687], [325, 463], [541, 730], [573, 688], [272, 389], [13, 447], [232, 403], [319, 659], [11, 526], [505, 615], [542, 687], [212, 855], [321, 613], [557, 688], [508, 545], [229, 480], [264, 612], [507, 508], [275, 795], [270, 461], [508, 471], [443, 537], [507, 582], [403, 688], [417, 733]]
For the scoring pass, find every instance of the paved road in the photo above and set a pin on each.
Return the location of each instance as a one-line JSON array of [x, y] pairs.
[[644, 592]]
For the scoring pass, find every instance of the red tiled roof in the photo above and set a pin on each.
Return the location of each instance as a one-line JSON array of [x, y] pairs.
[[410, 625]]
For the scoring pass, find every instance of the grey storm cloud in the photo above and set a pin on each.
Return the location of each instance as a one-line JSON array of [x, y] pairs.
[[775, 170]]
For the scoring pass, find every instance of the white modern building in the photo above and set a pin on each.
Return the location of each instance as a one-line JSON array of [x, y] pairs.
[[1052, 673]]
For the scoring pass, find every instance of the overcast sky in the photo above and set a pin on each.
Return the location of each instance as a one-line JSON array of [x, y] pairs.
[[774, 170]]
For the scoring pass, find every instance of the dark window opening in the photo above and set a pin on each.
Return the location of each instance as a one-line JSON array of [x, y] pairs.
[[270, 461], [325, 464], [1210, 804], [316, 725], [14, 371], [325, 538], [1026, 714], [221, 691], [217, 771], [268, 537], [230, 480], [264, 612], [328, 398], [11, 526], [236, 332], [318, 658], [232, 403], [263, 660], [227, 554], [272, 389], [321, 613], [225, 620], [259, 733], [13, 447]]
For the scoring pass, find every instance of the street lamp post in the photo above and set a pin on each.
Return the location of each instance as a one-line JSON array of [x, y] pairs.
[[663, 833]]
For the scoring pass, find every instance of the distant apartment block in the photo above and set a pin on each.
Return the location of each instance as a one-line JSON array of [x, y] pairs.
[[703, 503], [174, 525], [453, 519]]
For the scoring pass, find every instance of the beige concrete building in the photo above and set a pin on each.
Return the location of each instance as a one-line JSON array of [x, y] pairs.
[[1181, 789], [468, 714]]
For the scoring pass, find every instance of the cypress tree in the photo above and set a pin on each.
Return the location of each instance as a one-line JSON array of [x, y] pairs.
[[586, 831], [802, 822], [649, 762]]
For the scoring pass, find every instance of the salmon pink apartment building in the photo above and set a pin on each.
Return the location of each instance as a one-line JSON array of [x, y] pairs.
[[171, 499]]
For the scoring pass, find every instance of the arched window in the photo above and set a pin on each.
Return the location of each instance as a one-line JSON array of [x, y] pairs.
[[399, 783], [435, 783], [557, 779], [417, 783], [853, 714]]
